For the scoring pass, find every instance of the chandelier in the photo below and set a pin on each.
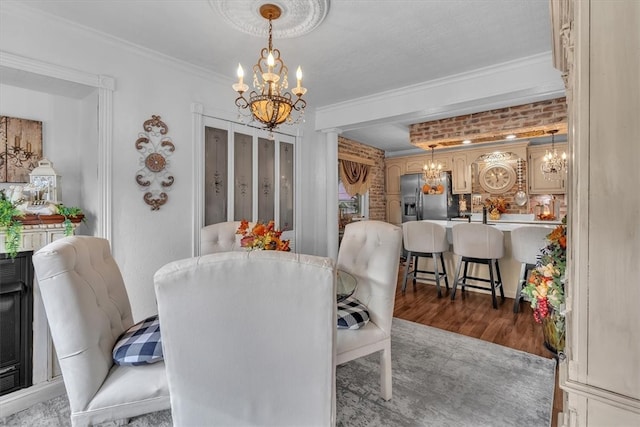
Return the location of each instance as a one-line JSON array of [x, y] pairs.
[[433, 171], [554, 166], [269, 102]]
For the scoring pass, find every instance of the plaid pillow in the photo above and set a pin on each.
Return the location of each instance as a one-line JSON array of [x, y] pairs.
[[140, 344], [352, 314]]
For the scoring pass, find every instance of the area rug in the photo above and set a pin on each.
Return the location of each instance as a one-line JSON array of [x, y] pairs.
[[439, 379]]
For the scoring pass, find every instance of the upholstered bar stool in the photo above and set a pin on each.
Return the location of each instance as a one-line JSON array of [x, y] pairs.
[[425, 239], [526, 243], [479, 244]]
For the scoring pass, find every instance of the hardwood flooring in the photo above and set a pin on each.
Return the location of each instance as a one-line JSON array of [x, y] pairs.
[[472, 315]]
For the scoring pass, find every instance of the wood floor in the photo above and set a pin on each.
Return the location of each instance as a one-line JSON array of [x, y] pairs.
[[473, 315]]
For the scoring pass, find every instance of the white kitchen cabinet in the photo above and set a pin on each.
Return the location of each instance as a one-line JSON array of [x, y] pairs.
[[461, 174], [538, 184]]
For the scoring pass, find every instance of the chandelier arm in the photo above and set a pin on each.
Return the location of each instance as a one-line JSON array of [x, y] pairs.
[[241, 102]]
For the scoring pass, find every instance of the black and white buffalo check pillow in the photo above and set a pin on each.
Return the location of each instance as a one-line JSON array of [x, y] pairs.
[[352, 314], [140, 344]]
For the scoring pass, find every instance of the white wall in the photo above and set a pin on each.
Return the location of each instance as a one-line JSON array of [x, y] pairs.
[[146, 84]]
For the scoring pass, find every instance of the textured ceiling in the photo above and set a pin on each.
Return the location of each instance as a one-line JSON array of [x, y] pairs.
[[360, 48]]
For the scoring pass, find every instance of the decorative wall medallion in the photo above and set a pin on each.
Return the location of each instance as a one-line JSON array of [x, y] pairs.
[[154, 147]]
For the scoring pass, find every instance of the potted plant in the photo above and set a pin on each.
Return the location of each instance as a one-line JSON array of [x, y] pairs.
[[71, 214], [10, 222]]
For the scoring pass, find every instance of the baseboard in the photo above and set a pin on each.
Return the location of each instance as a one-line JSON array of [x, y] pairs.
[[25, 398]]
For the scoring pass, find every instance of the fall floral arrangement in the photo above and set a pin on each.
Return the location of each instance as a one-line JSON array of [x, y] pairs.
[[545, 286], [262, 236], [496, 203]]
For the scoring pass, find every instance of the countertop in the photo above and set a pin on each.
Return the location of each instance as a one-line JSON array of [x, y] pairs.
[[507, 222]]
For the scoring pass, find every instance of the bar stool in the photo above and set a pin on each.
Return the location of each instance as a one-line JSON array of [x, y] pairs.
[[425, 239], [526, 243], [479, 244]]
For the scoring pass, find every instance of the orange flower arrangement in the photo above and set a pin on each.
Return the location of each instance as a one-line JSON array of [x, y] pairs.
[[262, 236], [545, 287], [496, 203]]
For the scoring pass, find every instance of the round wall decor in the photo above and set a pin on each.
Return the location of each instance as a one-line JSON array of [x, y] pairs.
[[497, 178]]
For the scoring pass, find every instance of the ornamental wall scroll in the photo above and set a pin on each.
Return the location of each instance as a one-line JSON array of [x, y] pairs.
[[154, 147]]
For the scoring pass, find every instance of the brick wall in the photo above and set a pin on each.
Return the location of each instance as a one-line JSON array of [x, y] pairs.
[[376, 190], [526, 121]]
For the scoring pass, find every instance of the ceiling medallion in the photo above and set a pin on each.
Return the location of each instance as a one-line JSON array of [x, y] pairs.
[[298, 16]]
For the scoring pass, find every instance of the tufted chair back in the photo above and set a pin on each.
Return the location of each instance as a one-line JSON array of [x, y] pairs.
[[370, 250], [88, 308], [249, 338], [220, 237], [478, 241]]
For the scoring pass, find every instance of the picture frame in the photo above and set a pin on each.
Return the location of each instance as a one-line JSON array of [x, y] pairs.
[[20, 148]]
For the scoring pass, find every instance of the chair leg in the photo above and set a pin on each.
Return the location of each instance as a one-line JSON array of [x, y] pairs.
[[406, 272], [493, 285], [444, 271], [385, 371], [455, 281], [416, 258], [435, 272], [500, 280], [521, 282], [466, 274]]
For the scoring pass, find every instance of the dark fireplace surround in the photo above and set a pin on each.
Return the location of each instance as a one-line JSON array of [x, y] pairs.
[[16, 322]]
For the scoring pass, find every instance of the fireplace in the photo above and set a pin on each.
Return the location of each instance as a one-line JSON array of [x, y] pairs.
[[16, 322]]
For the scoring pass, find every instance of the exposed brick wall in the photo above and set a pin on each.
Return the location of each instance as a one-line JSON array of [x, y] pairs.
[[376, 190], [527, 120]]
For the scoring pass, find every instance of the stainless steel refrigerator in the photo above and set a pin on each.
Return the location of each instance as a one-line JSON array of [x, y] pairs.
[[416, 205]]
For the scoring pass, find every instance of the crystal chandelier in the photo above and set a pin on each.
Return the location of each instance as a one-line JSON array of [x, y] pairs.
[[433, 171], [269, 102], [554, 166]]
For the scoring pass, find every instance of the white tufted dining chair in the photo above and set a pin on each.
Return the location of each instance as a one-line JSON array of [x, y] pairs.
[[220, 237], [370, 251], [249, 338], [88, 309]]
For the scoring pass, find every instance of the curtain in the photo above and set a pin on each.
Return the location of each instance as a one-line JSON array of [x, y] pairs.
[[354, 177]]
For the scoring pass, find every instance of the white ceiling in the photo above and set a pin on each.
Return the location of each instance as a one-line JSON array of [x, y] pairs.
[[361, 48]]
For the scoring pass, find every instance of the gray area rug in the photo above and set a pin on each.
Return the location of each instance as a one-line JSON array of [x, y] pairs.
[[439, 379]]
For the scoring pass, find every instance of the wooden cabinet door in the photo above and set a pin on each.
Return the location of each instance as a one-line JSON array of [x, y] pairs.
[[538, 184], [394, 209], [393, 173], [461, 174]]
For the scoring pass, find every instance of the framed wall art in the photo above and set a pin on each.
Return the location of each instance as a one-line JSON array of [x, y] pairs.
[[20, 148]]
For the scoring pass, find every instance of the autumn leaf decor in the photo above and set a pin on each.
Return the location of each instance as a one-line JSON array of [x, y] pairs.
[[545, 288], [262, 236]]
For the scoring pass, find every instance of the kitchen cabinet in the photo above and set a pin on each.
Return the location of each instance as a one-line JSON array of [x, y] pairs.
[[393, 171], [461, 174], [394, 209], [538, 184], [416, 164]]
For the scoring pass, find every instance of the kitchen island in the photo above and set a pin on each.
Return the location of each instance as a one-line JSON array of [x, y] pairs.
[[509, 267]]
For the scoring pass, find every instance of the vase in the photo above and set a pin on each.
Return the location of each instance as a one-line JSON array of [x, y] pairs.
[[553, 329], [494, 215]]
